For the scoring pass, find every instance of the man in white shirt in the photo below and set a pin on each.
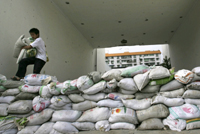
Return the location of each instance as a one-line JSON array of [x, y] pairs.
[[39, 60]]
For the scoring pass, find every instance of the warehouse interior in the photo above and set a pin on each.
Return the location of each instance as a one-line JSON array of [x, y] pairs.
[[74, 29]]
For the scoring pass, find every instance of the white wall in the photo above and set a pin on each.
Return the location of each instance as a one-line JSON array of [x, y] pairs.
[[185, 45], [165, 51], [70, 53], [102, 66]]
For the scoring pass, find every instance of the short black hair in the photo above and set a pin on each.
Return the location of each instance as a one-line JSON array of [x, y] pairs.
[[34, 30]]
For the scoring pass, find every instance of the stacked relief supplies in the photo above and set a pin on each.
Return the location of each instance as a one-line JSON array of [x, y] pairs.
[[138, 97]]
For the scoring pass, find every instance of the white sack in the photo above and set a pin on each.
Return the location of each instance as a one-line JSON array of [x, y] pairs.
[[66, 115], [173, 94], [170, 102], [172, 85], [85, 126], [84, 82], [82, 106], [18, 45], [140, 95], [151, 89], [76, 98], [29, 89], [7, 123], [109, 103], [65, 107], [44, 92], [11, 84], [112, 84], [65, 128], [95, 76], [159, 72], [192, 94], [7, 99], [95, 97], [23, 115], [11, 92], [196, 70], [96, 88], [37, 79], [95, 114], [20, 107], [69, 86], [119, 96], [186, 111], [126, 92], [123, 114], [176, 125], [128, 84], [137, 104], [193, 124], [3, 109], [53, 131], [103, 125], [40, 118], [184, 76], [10, 131], [45, 128], [29, 130], [59, 101], [193, 101], [112, 74], [40, 103], [122, 125], [142, 80], [194, 85], [155, 111], [151, 124]]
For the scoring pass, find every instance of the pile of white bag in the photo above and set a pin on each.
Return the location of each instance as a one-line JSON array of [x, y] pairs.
[[136, 97]]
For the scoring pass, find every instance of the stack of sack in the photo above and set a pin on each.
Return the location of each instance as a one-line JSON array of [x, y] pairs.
[[138, 97]]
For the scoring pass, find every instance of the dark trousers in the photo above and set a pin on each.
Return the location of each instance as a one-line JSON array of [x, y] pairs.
[[38, 65]]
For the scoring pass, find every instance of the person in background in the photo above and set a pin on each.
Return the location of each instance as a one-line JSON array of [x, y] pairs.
[[38, 61]]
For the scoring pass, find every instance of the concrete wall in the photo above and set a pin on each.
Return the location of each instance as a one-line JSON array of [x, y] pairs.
[[70, 53], [165, 51], [185, 45], [102, 66]]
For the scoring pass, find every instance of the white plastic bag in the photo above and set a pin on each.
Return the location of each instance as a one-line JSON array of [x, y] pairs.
[[186, 111], [44, 92], [95, 114], [123, 114], [29, 89], [176, 125], [112, 84], [137, 104], [103, 125]]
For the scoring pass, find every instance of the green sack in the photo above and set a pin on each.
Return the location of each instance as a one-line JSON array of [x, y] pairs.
[[164, 80], [31, 52], [132, 71]]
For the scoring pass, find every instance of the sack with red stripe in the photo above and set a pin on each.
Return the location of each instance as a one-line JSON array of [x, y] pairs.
[[184, 76], [40, 103]]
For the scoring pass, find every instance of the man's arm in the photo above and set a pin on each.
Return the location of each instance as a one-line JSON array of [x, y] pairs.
[[27, 47]]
